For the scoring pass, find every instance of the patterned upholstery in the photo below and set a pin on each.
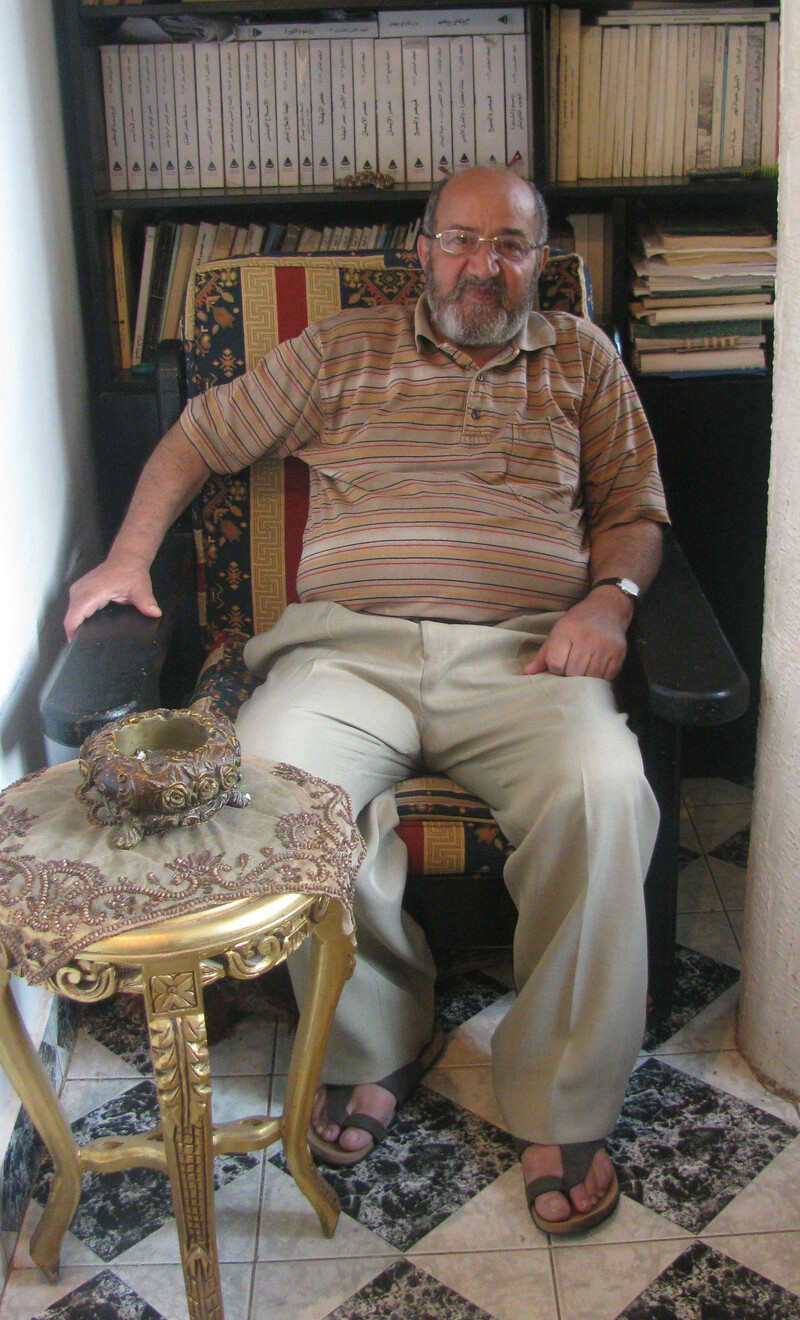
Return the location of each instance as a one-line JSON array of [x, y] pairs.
[[249, 527]]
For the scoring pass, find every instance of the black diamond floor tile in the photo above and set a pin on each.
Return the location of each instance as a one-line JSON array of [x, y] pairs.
[[119, 1024], [702, 1284], [736, 849], [404, 1290], [459, 997], [687, 855], [104, 1297], [117, 1210], [435, 1158], [685, 1149], [699, 980]]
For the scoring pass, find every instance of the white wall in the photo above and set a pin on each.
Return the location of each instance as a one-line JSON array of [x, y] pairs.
[[48, 507]]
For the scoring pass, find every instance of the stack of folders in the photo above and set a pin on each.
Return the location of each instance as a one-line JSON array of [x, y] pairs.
[[700, 297]]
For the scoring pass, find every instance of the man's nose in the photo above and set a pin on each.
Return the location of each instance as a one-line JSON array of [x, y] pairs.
[[485, 261]]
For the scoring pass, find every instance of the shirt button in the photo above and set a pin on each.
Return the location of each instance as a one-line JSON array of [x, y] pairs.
[[479, 376], [475, 413]]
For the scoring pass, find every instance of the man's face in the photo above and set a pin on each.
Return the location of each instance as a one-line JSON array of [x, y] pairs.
[[482, 300]]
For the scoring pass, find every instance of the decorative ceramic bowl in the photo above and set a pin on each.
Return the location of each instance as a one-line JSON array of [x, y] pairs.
[[153, 771]]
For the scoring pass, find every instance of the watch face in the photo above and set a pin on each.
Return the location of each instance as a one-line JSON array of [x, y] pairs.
[[630, 588]]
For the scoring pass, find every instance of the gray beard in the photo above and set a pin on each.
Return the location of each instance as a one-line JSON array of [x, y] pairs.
[[488, 325]]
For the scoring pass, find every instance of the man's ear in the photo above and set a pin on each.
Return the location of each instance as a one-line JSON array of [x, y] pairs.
[[423, 250], [544, 257]]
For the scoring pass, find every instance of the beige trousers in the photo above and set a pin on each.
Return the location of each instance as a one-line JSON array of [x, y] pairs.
[[366, 701]]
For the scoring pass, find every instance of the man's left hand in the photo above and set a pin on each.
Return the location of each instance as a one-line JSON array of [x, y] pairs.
[[589, 641]]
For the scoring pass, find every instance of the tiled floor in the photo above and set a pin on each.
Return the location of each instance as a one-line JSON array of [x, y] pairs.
[[434, 1223]]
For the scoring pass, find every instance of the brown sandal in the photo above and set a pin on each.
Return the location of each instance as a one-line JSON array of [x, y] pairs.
[[400, 1083], [576, 1160]]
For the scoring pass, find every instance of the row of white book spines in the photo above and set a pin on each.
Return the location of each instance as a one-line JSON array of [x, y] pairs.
[[680, 97], [307, 113]]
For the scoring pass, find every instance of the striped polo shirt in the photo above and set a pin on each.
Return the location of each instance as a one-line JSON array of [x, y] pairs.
[[440, 488]]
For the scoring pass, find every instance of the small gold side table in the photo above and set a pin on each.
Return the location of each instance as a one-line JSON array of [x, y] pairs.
[[232, 897]]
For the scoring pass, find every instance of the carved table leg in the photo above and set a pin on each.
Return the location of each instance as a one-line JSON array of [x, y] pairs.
[[332, 962], [25, 1071], [179, 1047]]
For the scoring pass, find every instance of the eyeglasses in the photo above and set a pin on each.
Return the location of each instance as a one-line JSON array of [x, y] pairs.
[[463, 243]]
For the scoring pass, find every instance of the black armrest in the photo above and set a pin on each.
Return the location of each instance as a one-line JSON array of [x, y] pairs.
[[113, 665], [682, 658]]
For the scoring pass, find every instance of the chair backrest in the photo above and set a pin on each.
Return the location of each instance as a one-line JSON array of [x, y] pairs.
[[249, 528]]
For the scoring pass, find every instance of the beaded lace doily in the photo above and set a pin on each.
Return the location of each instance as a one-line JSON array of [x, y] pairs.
[[64, 885]]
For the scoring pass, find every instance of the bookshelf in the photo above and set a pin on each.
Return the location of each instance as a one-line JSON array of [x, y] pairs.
[[724, 536]]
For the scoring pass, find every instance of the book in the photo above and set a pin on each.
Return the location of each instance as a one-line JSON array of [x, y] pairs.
[[389, 107], [132, 117], [157, 290], [641, 100], [115, 123], [307, 30], [462, 86], [705, 98], [291, 237], [680, 102], [248, 86], [239, 240], [416, 105], [344, 139], [305, 144], [167, 125], [489, 94], [693, 41], [173, 310], [769, 104], [608, 85], [690, 236], [365, 125], [286, 114], [449, 22], [151, 142], [722, 359], [441, 106], [144, 289], [568, 93], [591, 60], [518, 149], [231, 102], [274, 237], [734, 98], [670, 94], [753, 97], [186, 114], [690, 13], [223, 241], [204, 243], [267, 123], [701, 310], [321, 111], [255, 237], [124, 286], [718, 96], [620, 99], [209, 114]]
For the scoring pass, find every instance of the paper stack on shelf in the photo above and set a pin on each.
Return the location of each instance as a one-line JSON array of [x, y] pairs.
[[700, 296]]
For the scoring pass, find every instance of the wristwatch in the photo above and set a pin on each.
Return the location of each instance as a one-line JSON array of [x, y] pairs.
[[625, 585]]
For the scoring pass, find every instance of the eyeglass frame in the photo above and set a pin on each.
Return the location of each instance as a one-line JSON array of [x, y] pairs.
[[533, 247]]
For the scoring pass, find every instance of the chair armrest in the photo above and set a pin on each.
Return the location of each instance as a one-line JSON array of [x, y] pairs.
[[679, 652], [170, 382], [112, 666]]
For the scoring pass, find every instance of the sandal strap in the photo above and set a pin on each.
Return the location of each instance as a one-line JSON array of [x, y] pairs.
[[576, 1160], [540, 1186]]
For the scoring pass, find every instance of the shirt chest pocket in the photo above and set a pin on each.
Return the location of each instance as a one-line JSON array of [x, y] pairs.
[[544, 462]]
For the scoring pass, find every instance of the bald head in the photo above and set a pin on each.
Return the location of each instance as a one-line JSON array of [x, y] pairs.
[[490, 179]]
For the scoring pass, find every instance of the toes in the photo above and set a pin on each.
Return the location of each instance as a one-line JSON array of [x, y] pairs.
[[553, 1206]]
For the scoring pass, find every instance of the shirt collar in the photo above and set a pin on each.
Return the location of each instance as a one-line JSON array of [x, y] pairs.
[[536, 333]]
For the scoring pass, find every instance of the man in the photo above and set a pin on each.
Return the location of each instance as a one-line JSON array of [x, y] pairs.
[[484, 505]]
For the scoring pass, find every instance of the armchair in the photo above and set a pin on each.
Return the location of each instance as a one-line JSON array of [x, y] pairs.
[[247, 536]]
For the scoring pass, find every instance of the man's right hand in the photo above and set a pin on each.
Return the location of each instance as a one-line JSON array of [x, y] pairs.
[[124, 581]]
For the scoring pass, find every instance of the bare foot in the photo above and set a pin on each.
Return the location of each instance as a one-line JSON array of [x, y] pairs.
[[366, 1099], [541, 1161]]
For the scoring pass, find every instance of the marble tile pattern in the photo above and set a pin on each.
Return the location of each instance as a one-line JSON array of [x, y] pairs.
[[434, 1223]]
